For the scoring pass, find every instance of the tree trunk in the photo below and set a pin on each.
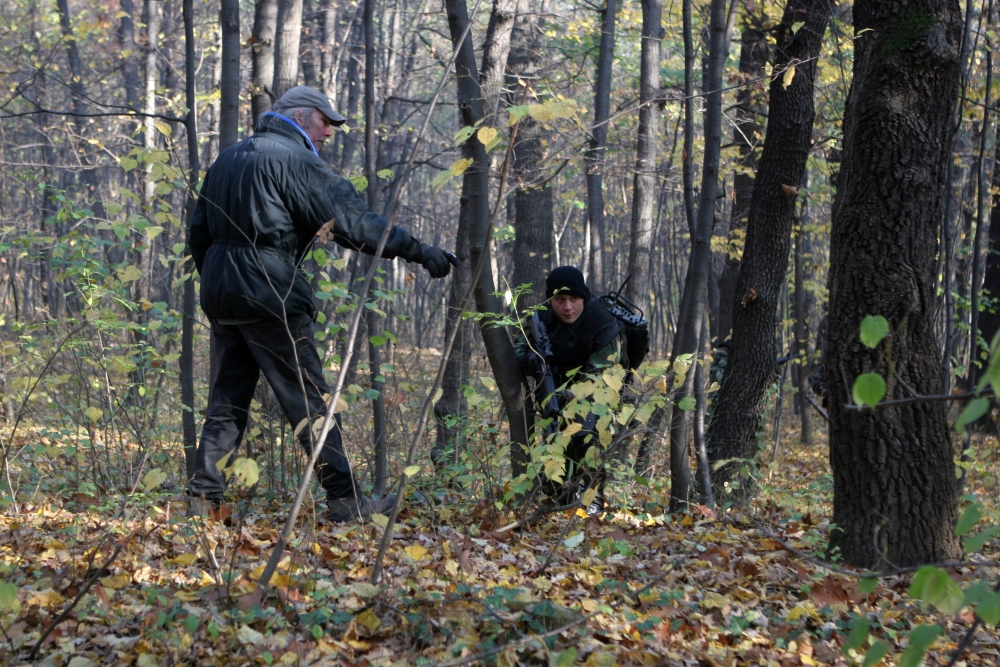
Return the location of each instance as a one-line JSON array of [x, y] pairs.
[[752, 366], [286, 46], [229, 111], [750, 108], [802, 327], [644, 189], [692, 310], [989, 319], [265, 21], [130, 68], [475, 216], [895, 498], [533, 247], [595, 155], [188, 305]]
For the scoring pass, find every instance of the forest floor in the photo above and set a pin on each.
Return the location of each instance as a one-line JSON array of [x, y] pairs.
[[636, 588]]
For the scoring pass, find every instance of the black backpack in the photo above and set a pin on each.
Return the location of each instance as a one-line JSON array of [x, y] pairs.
[[633, 326]]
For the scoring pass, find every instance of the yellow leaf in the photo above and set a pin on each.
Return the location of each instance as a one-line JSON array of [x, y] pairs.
[[153, 231], [486, 135], [612, 380], [94, 413], [554, 469], [588, 497], [601, 659], [162, 126], [459, 166], [451, 567], [120, 580], [282, 580], [246, 471], [379, 520], [789, 76], [416, 552], [186, 596], [714, 601], [573, 429], [368, 620], [185, 560], [129, 273], [410, 471], [153, 479], [365, 590], [542, 584]]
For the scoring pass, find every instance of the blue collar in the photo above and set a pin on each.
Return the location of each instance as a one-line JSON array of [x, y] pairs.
[[295, 125]]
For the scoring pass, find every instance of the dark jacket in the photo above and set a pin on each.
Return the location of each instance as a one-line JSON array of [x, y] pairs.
[[586, 344], [261, 204]]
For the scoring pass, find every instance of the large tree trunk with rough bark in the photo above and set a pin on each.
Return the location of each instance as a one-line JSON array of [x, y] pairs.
[[752, 366], [533, 198], [286, 46], [644, 190], [895, 494], [750, 108]]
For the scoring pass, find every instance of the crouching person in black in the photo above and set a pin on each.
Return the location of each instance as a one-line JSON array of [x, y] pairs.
[[585, 336], [262, 203]]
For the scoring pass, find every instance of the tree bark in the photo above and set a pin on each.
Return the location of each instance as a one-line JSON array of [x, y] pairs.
[[475, 216], [265, 23], [895, 497], [229, 85], [644, 190], [802, 327], [452, 403], [752, 366], [533, 247], [750, 108], [286, 46], [595, 156], [188, 304], [989, 319]]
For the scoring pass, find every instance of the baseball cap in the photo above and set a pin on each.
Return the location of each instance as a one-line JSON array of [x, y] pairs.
[[304, 96]]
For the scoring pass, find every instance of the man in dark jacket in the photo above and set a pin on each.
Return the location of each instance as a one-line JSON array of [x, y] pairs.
[[584, 335], [262, 203]]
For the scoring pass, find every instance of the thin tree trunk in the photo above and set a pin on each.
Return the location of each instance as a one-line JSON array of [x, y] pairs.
[[802, 327], [188, 306], [595, 156], [475, 216], [989, 319], [452, 403], [895, 498], [229, 110], [752, 367], [286, 46], [265, 23], [644, 190], [130, 68]]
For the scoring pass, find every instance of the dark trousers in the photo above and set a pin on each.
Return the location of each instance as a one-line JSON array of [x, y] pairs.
[[243, 352]]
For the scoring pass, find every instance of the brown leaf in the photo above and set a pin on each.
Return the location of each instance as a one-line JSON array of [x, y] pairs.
[[790, 190]]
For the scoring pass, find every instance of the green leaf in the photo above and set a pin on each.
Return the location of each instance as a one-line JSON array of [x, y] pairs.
[[191, 623], [246, 471], [463, 134], [320, 256], [360, 183], [566, 658], [128, 164], [517, 113], [970, 517], [988, 608], [687, 403], [153, 479], [797, 25], [921, 638], [410, 471], [377, 341], [385, 174], [858, 635], [976, 542], [869, 389], [873, 329], [371, 394], [8, 596], [339, 264], [94, 413], [933, 585], [973, 411], [875, 654], [867, 585]]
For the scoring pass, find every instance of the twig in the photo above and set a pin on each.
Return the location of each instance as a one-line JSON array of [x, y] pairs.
[[924, 399], [818, 407], [969, 634]]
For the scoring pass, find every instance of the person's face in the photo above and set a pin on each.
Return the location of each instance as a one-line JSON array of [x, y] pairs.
[[316, 126], [566, 307]]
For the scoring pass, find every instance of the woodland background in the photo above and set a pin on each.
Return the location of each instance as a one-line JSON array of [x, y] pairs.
[[808, 177]]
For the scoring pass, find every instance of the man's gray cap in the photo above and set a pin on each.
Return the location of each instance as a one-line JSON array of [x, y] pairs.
[[304, 96]]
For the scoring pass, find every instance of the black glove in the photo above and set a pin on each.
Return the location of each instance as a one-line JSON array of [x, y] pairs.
[[438, 262], [534, 365]]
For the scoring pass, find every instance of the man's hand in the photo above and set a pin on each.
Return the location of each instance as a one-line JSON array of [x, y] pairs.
[[534, 365], [438, 262]]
